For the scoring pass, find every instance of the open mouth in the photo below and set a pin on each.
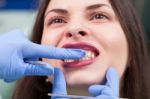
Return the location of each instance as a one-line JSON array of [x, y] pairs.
[[91, 54]]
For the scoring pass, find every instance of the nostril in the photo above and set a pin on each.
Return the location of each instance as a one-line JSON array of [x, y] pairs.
[[69, 35], [82, 33]]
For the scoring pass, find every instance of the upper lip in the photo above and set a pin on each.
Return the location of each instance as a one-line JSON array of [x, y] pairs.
[[82, 45]]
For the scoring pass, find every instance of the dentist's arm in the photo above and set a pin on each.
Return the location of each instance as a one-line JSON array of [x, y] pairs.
[[15, 49]]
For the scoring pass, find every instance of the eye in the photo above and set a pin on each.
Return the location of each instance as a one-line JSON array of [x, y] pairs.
[[99, 16], [56, 20]]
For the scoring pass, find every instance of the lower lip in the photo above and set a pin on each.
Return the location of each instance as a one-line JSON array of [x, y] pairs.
[[78, 64]]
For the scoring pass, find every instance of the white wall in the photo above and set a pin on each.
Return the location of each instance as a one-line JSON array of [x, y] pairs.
[[22, 20]]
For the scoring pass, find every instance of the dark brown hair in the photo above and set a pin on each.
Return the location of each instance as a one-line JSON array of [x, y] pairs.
[[135, 82]]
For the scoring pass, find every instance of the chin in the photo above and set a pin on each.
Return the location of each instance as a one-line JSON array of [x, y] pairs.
[[83, 81], [80, 87]]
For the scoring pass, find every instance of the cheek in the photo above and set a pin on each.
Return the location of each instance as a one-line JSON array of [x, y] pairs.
[[51, 37], [52, 62], [114, 45], [119, 55]]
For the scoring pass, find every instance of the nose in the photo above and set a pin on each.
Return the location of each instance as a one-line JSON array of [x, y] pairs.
[[77, 32]]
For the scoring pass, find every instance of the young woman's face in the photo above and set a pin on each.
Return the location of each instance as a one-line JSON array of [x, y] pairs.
[[90, 25]]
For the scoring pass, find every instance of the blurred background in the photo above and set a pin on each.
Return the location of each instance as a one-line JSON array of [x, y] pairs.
[[20, 14]]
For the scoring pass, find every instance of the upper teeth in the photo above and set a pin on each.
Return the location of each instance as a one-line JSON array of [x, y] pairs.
[[89, 55]]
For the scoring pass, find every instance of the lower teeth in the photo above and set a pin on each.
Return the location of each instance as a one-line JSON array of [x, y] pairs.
[[83, 59]]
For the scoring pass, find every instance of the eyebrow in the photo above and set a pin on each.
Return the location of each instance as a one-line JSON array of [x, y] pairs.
[[61, 11], [64, 11], [96, 6]]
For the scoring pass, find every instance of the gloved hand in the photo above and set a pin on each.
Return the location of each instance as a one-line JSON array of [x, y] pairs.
[[59, 85], [15, 49], [108, 91], [111, 88]]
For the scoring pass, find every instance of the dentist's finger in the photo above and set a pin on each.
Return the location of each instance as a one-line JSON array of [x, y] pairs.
[[99, 90], [112, 78], [38, 68], [59, 86], [41, 51], [110, 88], [105, 97]]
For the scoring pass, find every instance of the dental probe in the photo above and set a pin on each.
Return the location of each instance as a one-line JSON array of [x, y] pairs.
[[73, 96]]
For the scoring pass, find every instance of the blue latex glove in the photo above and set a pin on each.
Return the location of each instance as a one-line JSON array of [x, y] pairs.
[[111, 88], [59, 86], [108, 91], [15, 48]]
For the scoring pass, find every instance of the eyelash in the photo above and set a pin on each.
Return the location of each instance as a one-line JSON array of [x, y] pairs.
[[55, 19], [102, 16]]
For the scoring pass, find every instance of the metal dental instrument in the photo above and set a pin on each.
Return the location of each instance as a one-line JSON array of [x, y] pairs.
[[70, 96], [74, 96]]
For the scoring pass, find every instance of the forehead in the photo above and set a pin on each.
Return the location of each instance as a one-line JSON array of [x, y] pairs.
[[76, 4]]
